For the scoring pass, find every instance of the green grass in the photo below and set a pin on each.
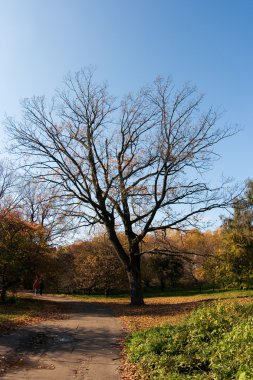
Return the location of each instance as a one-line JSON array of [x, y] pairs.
[[213, 343], [100, 296], [213, 294], [221, 293]]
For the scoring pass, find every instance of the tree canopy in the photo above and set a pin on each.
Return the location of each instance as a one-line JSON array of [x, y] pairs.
[[22, 245]]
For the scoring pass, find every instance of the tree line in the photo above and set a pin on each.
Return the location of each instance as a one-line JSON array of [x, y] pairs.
[[221, 258]]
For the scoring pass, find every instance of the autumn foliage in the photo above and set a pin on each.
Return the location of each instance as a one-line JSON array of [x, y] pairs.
[[22, 246]]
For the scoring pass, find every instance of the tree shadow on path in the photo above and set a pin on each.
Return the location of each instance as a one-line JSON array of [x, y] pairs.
[[90, 331]]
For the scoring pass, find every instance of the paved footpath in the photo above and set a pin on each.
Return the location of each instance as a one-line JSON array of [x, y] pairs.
[[83, 347]]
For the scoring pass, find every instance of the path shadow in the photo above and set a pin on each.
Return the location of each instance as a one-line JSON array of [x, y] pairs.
[[38, 346]]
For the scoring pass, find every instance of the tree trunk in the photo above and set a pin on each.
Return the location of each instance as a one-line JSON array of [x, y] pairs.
[[162, 284], [132, 265], [134, 277]]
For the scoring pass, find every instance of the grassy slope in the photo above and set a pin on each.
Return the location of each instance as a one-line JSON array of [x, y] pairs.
[[214, 342]]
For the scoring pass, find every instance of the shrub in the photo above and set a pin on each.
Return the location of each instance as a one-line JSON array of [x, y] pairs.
[[213, 343], [234, 356]]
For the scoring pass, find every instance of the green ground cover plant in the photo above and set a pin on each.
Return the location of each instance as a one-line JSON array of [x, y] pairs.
[[213, 343]]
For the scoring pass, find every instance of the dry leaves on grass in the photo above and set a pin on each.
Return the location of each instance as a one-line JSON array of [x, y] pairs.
[[155, 312], [161, 310], [17, 318], [129, 371]]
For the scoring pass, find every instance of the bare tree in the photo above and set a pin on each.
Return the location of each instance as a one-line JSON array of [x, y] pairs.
[[6, 182], [136, 167], [39, 205]]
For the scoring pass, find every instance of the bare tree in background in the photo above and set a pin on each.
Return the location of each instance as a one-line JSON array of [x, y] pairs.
[[39, 205], [135, 167], [6, 182]]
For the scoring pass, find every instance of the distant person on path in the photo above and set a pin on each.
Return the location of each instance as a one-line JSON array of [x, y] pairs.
[[36, 286], [41, 286]]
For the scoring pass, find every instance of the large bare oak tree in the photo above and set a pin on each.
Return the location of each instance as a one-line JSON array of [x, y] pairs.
[[135, 167]]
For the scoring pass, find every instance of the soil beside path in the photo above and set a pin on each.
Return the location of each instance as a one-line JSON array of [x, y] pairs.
[[86, 346]]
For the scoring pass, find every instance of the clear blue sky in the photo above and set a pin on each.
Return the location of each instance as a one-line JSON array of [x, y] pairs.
[[206, 42]]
